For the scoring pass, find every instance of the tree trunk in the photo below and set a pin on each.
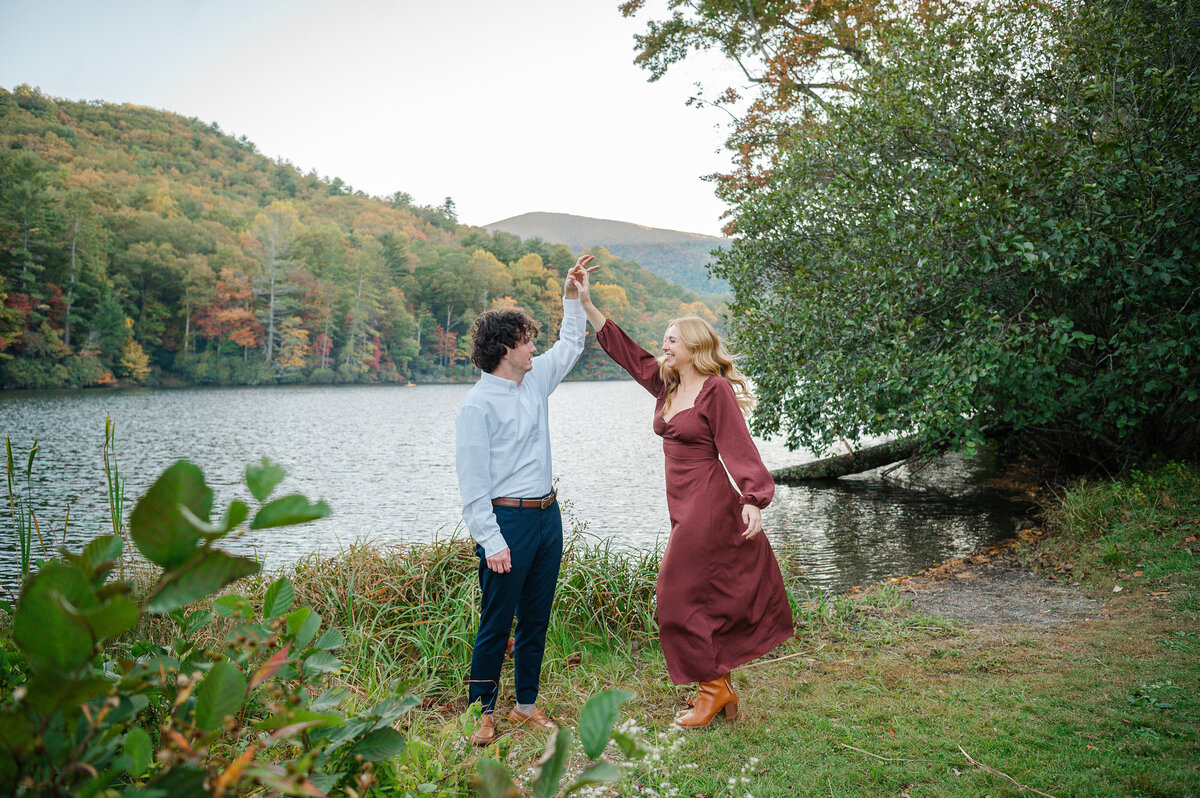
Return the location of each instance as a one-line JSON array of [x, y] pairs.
[[840, 466], [271, 314], [71, 284]]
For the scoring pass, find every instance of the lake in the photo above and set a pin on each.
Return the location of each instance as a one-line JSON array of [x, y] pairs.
[[383, 458]]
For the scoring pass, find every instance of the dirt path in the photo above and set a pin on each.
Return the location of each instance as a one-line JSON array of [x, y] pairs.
[[995, 588]]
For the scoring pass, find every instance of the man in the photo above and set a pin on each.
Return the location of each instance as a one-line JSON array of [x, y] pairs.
[[504, 476]]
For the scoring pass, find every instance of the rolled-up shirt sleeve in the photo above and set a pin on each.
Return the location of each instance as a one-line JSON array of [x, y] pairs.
[[473, 462]]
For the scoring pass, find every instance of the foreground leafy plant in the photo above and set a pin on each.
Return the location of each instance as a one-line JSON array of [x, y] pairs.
[[91, 711], [596, 723]]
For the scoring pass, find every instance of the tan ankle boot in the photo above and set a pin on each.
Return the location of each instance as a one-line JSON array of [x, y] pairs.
[[714, 696], [485, 730]]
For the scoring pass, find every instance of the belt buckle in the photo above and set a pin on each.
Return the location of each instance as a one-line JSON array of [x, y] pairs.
[[547, 501]]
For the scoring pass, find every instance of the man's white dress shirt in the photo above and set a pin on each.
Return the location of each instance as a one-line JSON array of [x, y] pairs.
[[502, 433]]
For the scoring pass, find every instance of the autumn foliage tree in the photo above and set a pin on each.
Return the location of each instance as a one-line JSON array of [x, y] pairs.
[[235, 268], [229, 317]]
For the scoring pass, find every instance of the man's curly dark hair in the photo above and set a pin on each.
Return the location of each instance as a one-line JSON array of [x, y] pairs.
[[496, 331]]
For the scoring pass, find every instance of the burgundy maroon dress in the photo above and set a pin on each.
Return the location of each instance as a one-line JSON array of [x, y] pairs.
[[721, 601]]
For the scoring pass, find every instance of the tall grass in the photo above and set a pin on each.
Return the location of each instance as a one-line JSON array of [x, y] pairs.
[[410, 611], [1140, 530], [20, 505]]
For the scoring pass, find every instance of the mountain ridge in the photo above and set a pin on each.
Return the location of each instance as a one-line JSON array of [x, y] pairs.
[[677, 255]]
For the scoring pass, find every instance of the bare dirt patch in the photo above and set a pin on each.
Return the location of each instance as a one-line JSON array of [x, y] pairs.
[[995, 588]]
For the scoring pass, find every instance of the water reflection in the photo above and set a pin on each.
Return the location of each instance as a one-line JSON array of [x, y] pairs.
[[383, 457]]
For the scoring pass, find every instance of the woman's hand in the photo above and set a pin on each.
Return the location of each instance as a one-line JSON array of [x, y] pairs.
[[752, 518], [577, 285], [581, 277]]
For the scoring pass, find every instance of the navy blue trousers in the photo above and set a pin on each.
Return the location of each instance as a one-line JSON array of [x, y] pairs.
[[535, 542]]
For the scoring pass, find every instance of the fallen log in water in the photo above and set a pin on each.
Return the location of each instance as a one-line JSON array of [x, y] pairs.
[[840, 466]]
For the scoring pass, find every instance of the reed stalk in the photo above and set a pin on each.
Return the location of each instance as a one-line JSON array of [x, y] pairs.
[[20, 506]]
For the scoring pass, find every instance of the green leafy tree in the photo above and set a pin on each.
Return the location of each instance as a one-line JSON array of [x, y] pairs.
[[108, 330], [989, 233], [274, 234], [28, 222]]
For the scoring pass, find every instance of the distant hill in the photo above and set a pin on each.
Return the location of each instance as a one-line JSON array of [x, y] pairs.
[[682, 258], [140, 246]]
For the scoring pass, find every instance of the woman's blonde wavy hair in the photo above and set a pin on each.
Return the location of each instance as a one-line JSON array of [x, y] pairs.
[[709, 357]]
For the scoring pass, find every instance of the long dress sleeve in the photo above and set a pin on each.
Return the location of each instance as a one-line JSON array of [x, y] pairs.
[[735, 446], [640, 364]]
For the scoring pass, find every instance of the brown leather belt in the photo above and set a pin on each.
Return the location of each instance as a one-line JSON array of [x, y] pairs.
[[527, 504]]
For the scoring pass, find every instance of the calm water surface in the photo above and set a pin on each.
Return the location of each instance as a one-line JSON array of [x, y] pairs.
[[383, 458]]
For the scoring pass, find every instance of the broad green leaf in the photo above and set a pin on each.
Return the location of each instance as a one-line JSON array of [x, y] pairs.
[[288, 510], [158, 528], [494, 781], [389, 710], [629, 745], [43, 629], [292, 717], [127, 708], [379, 745], [53, 691], [262, 478], [205, 574], [235, 514], [195, 621], [303, 625], [139, 750], [330, 699], [221, 693], [597, 719], [103, 549], [280, 596], [325, 782], [113, 618], [553, 762], [599, 773], [330, 639], [16, 731], [321, 662], [238, 608]]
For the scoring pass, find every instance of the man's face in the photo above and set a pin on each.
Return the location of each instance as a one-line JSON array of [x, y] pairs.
[[520, 357]]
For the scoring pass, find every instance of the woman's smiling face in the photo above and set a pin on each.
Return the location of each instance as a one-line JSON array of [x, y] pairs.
[[676, 352]]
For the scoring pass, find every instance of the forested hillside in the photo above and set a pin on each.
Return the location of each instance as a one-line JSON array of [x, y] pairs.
[[682, 258], [139, 246]]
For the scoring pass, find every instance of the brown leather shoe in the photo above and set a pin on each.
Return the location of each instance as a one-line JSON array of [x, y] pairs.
[[535, 720], [714, 696], [485, 732]]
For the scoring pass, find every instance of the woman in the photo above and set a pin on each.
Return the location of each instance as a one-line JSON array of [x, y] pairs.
[[721, 600]]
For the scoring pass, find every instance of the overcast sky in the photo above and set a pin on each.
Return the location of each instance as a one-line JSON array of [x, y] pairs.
[[508, 107]]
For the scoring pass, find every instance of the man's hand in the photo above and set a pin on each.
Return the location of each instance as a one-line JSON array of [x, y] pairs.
[[577, 278], [752, 518], [579, 284], [501, 561]]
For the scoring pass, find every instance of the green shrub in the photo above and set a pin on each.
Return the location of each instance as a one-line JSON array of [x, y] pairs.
[[89, 708]]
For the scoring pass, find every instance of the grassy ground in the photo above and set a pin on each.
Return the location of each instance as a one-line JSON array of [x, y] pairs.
[[872, 699]]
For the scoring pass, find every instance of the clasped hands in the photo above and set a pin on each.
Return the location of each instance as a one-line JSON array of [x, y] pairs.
[[578, 284]]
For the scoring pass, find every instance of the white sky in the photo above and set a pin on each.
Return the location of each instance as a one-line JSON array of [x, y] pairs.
[[508, 107]]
